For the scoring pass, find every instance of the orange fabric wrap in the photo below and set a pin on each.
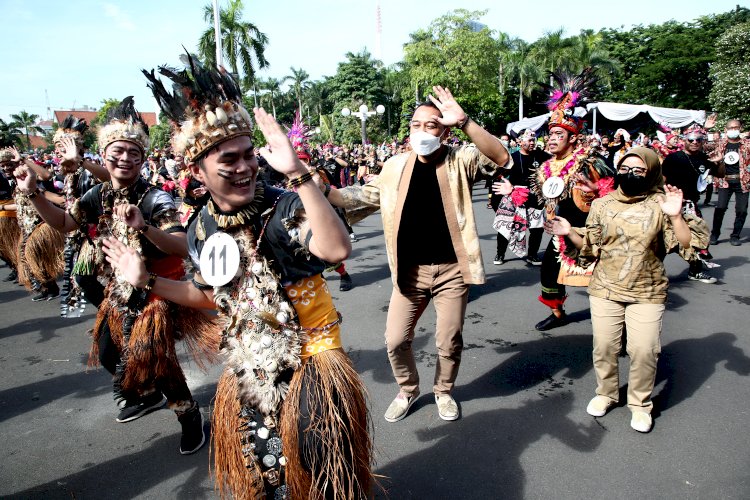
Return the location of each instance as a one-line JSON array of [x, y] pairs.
[[314, 305]]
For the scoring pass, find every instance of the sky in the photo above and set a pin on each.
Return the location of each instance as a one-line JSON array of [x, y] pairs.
[[76, 53]]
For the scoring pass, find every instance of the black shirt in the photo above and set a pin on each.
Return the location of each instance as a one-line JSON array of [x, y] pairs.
[[521, 174], [732, 168], [682, 171], [284, 255], [6, 190], [423, 234]]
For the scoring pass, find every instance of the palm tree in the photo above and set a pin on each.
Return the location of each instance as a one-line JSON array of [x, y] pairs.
[[10, 134], [553, 51], [588, 50], [273, 88], [316, 97], [27, 122], [299, 79], [242, 43], [518, 65]]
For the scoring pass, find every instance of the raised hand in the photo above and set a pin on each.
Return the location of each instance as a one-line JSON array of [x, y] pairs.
[[16, 154], [558, 226], [26, 178], [131, 215], [502, 187], [710, 121], [583, 183], [70, 156], [671, 201], [127, 261], [452, 112], [278, 150]]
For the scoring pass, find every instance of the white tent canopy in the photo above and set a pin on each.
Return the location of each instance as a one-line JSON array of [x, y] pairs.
[[674, 118]]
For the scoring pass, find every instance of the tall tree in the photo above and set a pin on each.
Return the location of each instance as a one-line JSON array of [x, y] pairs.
[[27, 122], [518, 67], [730, 75], [300, 81], [10, 134], [243, 44], [458, 52], [272, 87], [553, 51]]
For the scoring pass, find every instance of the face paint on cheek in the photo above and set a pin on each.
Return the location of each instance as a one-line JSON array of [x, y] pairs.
[[112, 159], [224, 174]]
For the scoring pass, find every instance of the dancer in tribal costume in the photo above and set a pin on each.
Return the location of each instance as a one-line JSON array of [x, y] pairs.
[[291, 417], [80, 175], [567, 183], [9, 230], [135, 330], [40, 247]]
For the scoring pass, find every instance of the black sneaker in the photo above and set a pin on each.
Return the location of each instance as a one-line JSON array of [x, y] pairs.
[[193, 436], [143, 406], [533, 261], [714, 240], [42, 295], [53, 291], [701, 276], [346, 283], [734, 241], [551, 322], [498, 260], [13, 276]]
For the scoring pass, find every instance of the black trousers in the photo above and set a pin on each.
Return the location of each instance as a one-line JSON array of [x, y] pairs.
[[740, 208]]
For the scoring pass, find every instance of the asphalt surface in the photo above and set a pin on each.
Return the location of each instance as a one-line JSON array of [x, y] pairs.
[[523, 431]]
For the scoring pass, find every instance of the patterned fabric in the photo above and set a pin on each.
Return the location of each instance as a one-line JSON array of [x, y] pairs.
[[456, 174], [717, 155], [630, 240], [512, 219], [314, 305]]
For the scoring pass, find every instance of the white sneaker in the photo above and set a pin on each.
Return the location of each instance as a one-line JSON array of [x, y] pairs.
[[641, 421], [598, 406], [447, 407], [399, 407]]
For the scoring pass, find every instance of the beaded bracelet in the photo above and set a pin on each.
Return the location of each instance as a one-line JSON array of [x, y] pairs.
[[151, 281], [295, 182]]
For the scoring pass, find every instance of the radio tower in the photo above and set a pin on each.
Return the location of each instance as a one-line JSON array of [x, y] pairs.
[[378, 33]]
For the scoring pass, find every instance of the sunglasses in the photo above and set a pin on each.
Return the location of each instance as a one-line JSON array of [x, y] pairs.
[[695, 139]]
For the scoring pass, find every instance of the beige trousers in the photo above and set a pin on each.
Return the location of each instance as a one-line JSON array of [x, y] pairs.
[[419, 284], [643, 322]]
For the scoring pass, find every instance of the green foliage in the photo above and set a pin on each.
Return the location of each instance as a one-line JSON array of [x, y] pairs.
[[26, 122], [159, 135], [668, 64], [243, 44], [10, 134], [453, 54], [730, 75]]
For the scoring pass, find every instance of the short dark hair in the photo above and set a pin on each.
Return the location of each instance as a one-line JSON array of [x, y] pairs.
[[429, 104]]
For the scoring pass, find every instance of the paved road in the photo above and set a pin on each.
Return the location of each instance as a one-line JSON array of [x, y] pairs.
[[524, 432]]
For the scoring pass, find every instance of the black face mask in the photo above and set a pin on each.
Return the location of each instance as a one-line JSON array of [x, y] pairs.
[[631, 184]]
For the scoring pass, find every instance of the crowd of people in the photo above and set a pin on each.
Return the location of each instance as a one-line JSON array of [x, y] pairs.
[[154, 238]]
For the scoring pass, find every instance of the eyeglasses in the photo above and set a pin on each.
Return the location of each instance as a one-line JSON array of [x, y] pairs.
[[624, 169]]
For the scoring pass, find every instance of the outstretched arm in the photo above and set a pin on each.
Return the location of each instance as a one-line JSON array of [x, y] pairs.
[[454, 115], [330, 240], [130, 265], [54, 216]]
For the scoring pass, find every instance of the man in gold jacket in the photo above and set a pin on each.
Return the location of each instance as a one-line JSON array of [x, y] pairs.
[[431, 239]]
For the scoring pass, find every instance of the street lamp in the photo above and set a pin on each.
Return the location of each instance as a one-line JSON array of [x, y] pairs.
[[363, 114]]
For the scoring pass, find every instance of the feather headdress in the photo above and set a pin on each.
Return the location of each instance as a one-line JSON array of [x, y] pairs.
[[298, 135], [124, 123], [205, 106], [71, 127], [568, 93]]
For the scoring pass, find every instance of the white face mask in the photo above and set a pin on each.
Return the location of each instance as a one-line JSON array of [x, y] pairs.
[[424, 144], [733, 134]]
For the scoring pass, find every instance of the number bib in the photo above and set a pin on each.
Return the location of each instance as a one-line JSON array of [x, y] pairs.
[[731, 157], [553, 187], [220, 259]]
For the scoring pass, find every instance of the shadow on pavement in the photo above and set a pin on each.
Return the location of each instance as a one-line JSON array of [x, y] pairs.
[[132, 475], [46, 326], [551, 362], [480, 456], [685, 366], [25, 398]]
